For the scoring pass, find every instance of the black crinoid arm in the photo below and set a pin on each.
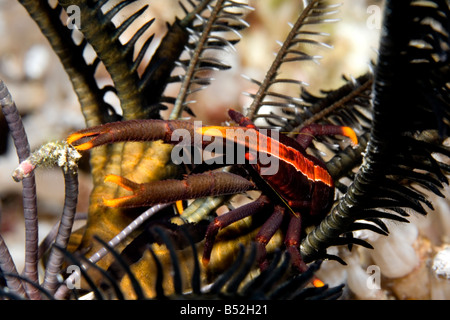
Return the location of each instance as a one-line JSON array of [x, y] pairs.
[[410, 120]]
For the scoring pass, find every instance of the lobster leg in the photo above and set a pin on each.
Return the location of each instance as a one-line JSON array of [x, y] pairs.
[[292, 239], [227, 219], [131, 130], [192, 187], [307, 133], [292, 242], [266, 233], [240, 119]]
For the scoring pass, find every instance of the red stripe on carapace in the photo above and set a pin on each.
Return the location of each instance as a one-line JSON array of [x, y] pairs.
[[259, 142]]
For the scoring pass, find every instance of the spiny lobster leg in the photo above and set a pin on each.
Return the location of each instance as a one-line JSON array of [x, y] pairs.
[[131, 130], [240, 119], [227, 219], [292, 242], [266, 233], [307, 133], [192, 187], [292, 239]]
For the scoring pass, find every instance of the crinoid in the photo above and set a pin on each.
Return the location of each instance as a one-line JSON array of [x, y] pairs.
[[161, 182], [236, 283]]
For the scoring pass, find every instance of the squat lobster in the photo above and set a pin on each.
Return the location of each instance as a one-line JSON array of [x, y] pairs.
[[301, 181]]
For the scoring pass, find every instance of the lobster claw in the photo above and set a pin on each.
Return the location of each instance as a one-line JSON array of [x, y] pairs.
[[99, 135], [134, 200], [191, 187]]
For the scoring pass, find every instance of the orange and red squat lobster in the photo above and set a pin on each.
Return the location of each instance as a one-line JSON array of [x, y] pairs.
[[301, 181]]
